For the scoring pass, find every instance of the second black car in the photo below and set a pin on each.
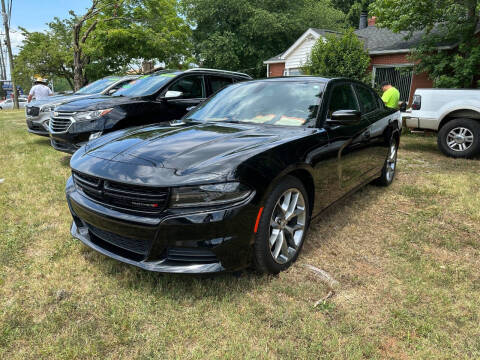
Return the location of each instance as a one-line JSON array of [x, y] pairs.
[[160, 97]]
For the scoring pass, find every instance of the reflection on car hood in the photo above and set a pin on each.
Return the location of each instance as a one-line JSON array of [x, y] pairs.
[[186, 149], [95, 103], [59, 99]]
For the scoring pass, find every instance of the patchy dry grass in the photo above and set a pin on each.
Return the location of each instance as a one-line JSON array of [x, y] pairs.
[[407, 258]]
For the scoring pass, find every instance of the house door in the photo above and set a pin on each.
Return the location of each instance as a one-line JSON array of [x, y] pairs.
[[400, 77]]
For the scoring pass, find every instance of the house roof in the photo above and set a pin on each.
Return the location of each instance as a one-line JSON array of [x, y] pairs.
[[377, 41], [384, 41], [381, 40]]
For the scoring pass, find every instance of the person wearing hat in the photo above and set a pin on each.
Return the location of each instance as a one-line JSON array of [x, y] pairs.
[[390, 95], [39, 90]]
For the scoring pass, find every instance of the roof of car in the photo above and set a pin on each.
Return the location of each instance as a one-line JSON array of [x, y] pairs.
[[204, 70]]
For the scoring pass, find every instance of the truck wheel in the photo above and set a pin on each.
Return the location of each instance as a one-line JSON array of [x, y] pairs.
[[460, 138]]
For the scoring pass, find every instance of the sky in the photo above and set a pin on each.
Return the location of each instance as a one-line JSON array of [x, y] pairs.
[[34, 14]]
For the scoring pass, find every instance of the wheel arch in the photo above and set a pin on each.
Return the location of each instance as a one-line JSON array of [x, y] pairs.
[[465, 113], [302, 173]]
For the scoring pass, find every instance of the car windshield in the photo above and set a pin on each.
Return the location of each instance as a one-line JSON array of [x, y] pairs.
[[98, 86], [145, 85], [287, 103]]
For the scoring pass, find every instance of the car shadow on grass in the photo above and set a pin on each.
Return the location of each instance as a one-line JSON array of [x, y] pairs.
[[41, 141], [339, 215], [65, 160]]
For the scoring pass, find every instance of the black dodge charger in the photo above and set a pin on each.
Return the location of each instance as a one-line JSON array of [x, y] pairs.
[[237, 181]]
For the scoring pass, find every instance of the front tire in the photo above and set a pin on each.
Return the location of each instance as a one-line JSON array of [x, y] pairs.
[[460, 138], [283, 226]]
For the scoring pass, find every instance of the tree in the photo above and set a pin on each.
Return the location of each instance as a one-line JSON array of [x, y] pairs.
[[125, 29], [339, 56], [48, 54], [105, 40], [241, 34], [444, 22]]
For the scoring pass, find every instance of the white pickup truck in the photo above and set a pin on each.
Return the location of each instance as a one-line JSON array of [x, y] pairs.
[[454, 113]]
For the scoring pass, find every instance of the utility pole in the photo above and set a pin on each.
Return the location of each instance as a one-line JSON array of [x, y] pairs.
[[10, 56], [3, 70]]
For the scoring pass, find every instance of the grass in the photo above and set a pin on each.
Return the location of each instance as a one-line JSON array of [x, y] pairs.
[[407, 258]]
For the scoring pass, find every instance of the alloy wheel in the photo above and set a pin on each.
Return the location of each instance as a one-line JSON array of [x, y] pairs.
[[459, 139], [287, 226], [391, 161]]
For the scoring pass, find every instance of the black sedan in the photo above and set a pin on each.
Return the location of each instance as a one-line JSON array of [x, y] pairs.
[[237, 181]]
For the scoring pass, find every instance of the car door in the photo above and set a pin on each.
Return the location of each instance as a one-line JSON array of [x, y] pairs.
[[350, 140], [373, 113], [191, 90]]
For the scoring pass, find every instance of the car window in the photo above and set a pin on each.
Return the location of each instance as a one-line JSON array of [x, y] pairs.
[[285, 103], [9, 101], [218, 83], [190, 86], [145, 85], [342, 98], [367, 101]]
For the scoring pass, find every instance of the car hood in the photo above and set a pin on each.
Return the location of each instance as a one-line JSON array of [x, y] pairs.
[[59, 100], [95, 103], [171, 152]]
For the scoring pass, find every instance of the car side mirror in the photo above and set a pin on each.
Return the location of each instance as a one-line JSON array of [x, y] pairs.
[[171, 94], [346, 116], [111, 91]]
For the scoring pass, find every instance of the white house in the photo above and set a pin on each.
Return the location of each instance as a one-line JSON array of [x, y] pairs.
[[291, 61]]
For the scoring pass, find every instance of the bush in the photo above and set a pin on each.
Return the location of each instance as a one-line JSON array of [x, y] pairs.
[[339, 56]]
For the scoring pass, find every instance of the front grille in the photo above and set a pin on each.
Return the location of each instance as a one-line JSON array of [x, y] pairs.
[[130, 197], [191, 255], [59, 125], [33, 111], [134, 245]]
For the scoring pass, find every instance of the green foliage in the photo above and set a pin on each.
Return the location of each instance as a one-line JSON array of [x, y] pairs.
[[48, 54], [241, 34], [122, 32], [339, 56], [457, 67]]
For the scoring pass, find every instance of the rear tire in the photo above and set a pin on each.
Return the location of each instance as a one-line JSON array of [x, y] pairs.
[[390, 165], [460, 138], [283, 226]]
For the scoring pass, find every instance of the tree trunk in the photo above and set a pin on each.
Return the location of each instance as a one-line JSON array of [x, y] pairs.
[[10, 55]]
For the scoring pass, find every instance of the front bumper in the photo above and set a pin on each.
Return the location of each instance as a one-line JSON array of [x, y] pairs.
[[67, 142], [175, 241], [38, 125]]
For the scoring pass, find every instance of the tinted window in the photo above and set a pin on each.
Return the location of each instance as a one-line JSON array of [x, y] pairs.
[[288, 103], [366, 99], [190, 86], [145, 85], [342, 98], [218, 83]]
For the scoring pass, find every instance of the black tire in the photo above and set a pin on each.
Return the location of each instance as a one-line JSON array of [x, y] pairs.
[[455, 149], [264, 260], [390, 166]]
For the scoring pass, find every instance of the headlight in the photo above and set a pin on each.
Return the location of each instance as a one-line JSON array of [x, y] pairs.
[[208, 195], [91, 115], [48, 108]]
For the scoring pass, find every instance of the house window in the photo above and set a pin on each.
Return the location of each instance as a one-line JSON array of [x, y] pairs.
[[292, 72]]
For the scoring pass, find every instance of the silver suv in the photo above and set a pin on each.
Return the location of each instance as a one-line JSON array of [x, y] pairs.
[[38, 111]]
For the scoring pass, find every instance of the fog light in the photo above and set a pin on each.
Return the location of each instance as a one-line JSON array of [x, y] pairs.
[[94, 136]]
